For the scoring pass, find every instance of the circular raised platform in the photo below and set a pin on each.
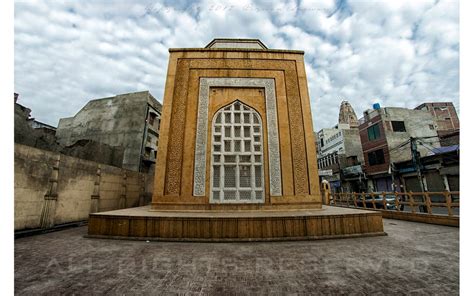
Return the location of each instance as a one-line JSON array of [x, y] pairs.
[[328, 222]]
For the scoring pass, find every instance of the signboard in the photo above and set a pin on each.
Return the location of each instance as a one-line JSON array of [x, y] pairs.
[[325, 172], [352, 170]]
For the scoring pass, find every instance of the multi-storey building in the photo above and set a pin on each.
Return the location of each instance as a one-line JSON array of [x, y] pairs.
[[446, 121], [340, 152], [387, 136], [444, 113], [130, 121]]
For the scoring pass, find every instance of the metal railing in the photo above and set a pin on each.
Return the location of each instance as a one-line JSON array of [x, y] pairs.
[[444, 203]]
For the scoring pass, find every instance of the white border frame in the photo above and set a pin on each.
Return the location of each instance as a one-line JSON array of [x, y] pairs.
[[199, 184]]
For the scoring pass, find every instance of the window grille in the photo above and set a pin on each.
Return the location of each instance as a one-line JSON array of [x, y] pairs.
[[237, 156]]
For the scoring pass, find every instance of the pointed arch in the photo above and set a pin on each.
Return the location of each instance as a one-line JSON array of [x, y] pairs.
[[237, 172]]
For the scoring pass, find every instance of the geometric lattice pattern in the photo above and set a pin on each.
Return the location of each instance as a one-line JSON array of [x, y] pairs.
[[237, 159]]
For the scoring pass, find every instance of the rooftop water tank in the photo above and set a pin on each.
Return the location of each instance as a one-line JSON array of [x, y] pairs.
[[376, 106]]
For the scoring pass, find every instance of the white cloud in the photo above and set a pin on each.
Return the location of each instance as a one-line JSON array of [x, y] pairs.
[[398, 53]]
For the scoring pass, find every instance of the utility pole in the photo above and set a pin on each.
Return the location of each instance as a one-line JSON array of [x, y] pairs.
[[416, 163], [391, 169]]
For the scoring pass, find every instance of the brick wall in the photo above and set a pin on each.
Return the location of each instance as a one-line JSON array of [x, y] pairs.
[[445, 114], [369, 146]]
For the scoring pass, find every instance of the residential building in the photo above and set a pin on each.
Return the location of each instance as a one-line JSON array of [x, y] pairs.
[[439, 171], [340, 152], [387, 135], [445, 115], [446, 121], [33, 133], [130, 121], [30, 132]]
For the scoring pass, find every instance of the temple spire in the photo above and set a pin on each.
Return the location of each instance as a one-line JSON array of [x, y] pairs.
[[347, 115]]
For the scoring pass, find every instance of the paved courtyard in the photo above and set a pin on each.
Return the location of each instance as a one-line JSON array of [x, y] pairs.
[[414, 259]]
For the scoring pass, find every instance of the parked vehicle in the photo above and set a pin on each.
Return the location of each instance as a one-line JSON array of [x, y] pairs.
[[376, 202]]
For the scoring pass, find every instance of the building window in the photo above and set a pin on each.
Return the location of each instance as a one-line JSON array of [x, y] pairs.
[[373, 132], [431, 127], [376, 157], [398, 126], [322, 142], [151, 118], [237, 155], [352, 160]]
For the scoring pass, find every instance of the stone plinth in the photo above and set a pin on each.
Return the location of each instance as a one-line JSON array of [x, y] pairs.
[[251, 225]]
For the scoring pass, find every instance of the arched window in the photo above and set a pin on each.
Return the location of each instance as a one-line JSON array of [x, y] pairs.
[[237, 155]]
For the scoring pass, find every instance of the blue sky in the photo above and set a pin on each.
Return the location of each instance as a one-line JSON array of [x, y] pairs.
[[396, 53]]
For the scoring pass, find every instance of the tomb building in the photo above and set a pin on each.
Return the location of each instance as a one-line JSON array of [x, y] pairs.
[[236, 129], [236, 158]]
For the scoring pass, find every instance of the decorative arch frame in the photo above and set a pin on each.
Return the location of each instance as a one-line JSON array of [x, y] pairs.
[[199, 184]]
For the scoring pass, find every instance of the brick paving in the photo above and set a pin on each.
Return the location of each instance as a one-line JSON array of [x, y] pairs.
[[414, 259]]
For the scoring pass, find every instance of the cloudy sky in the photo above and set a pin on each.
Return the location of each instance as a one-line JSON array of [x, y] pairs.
[[397, 53]]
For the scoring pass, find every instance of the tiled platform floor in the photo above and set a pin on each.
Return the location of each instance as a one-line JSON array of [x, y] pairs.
[[145, 211], [414, 259]]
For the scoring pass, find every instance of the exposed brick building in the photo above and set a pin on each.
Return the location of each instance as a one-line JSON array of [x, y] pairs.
[[445, 114], [447, 121]]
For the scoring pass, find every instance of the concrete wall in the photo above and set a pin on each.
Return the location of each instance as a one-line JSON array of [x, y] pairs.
[[96, 152], [329, 145], [417, 124], [353, 146], [116, 121], [343, 140], [25, 134], [45, 138], [75, 186], [32, 172]]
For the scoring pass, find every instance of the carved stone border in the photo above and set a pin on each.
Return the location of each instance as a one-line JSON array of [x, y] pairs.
[[205, 84]]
